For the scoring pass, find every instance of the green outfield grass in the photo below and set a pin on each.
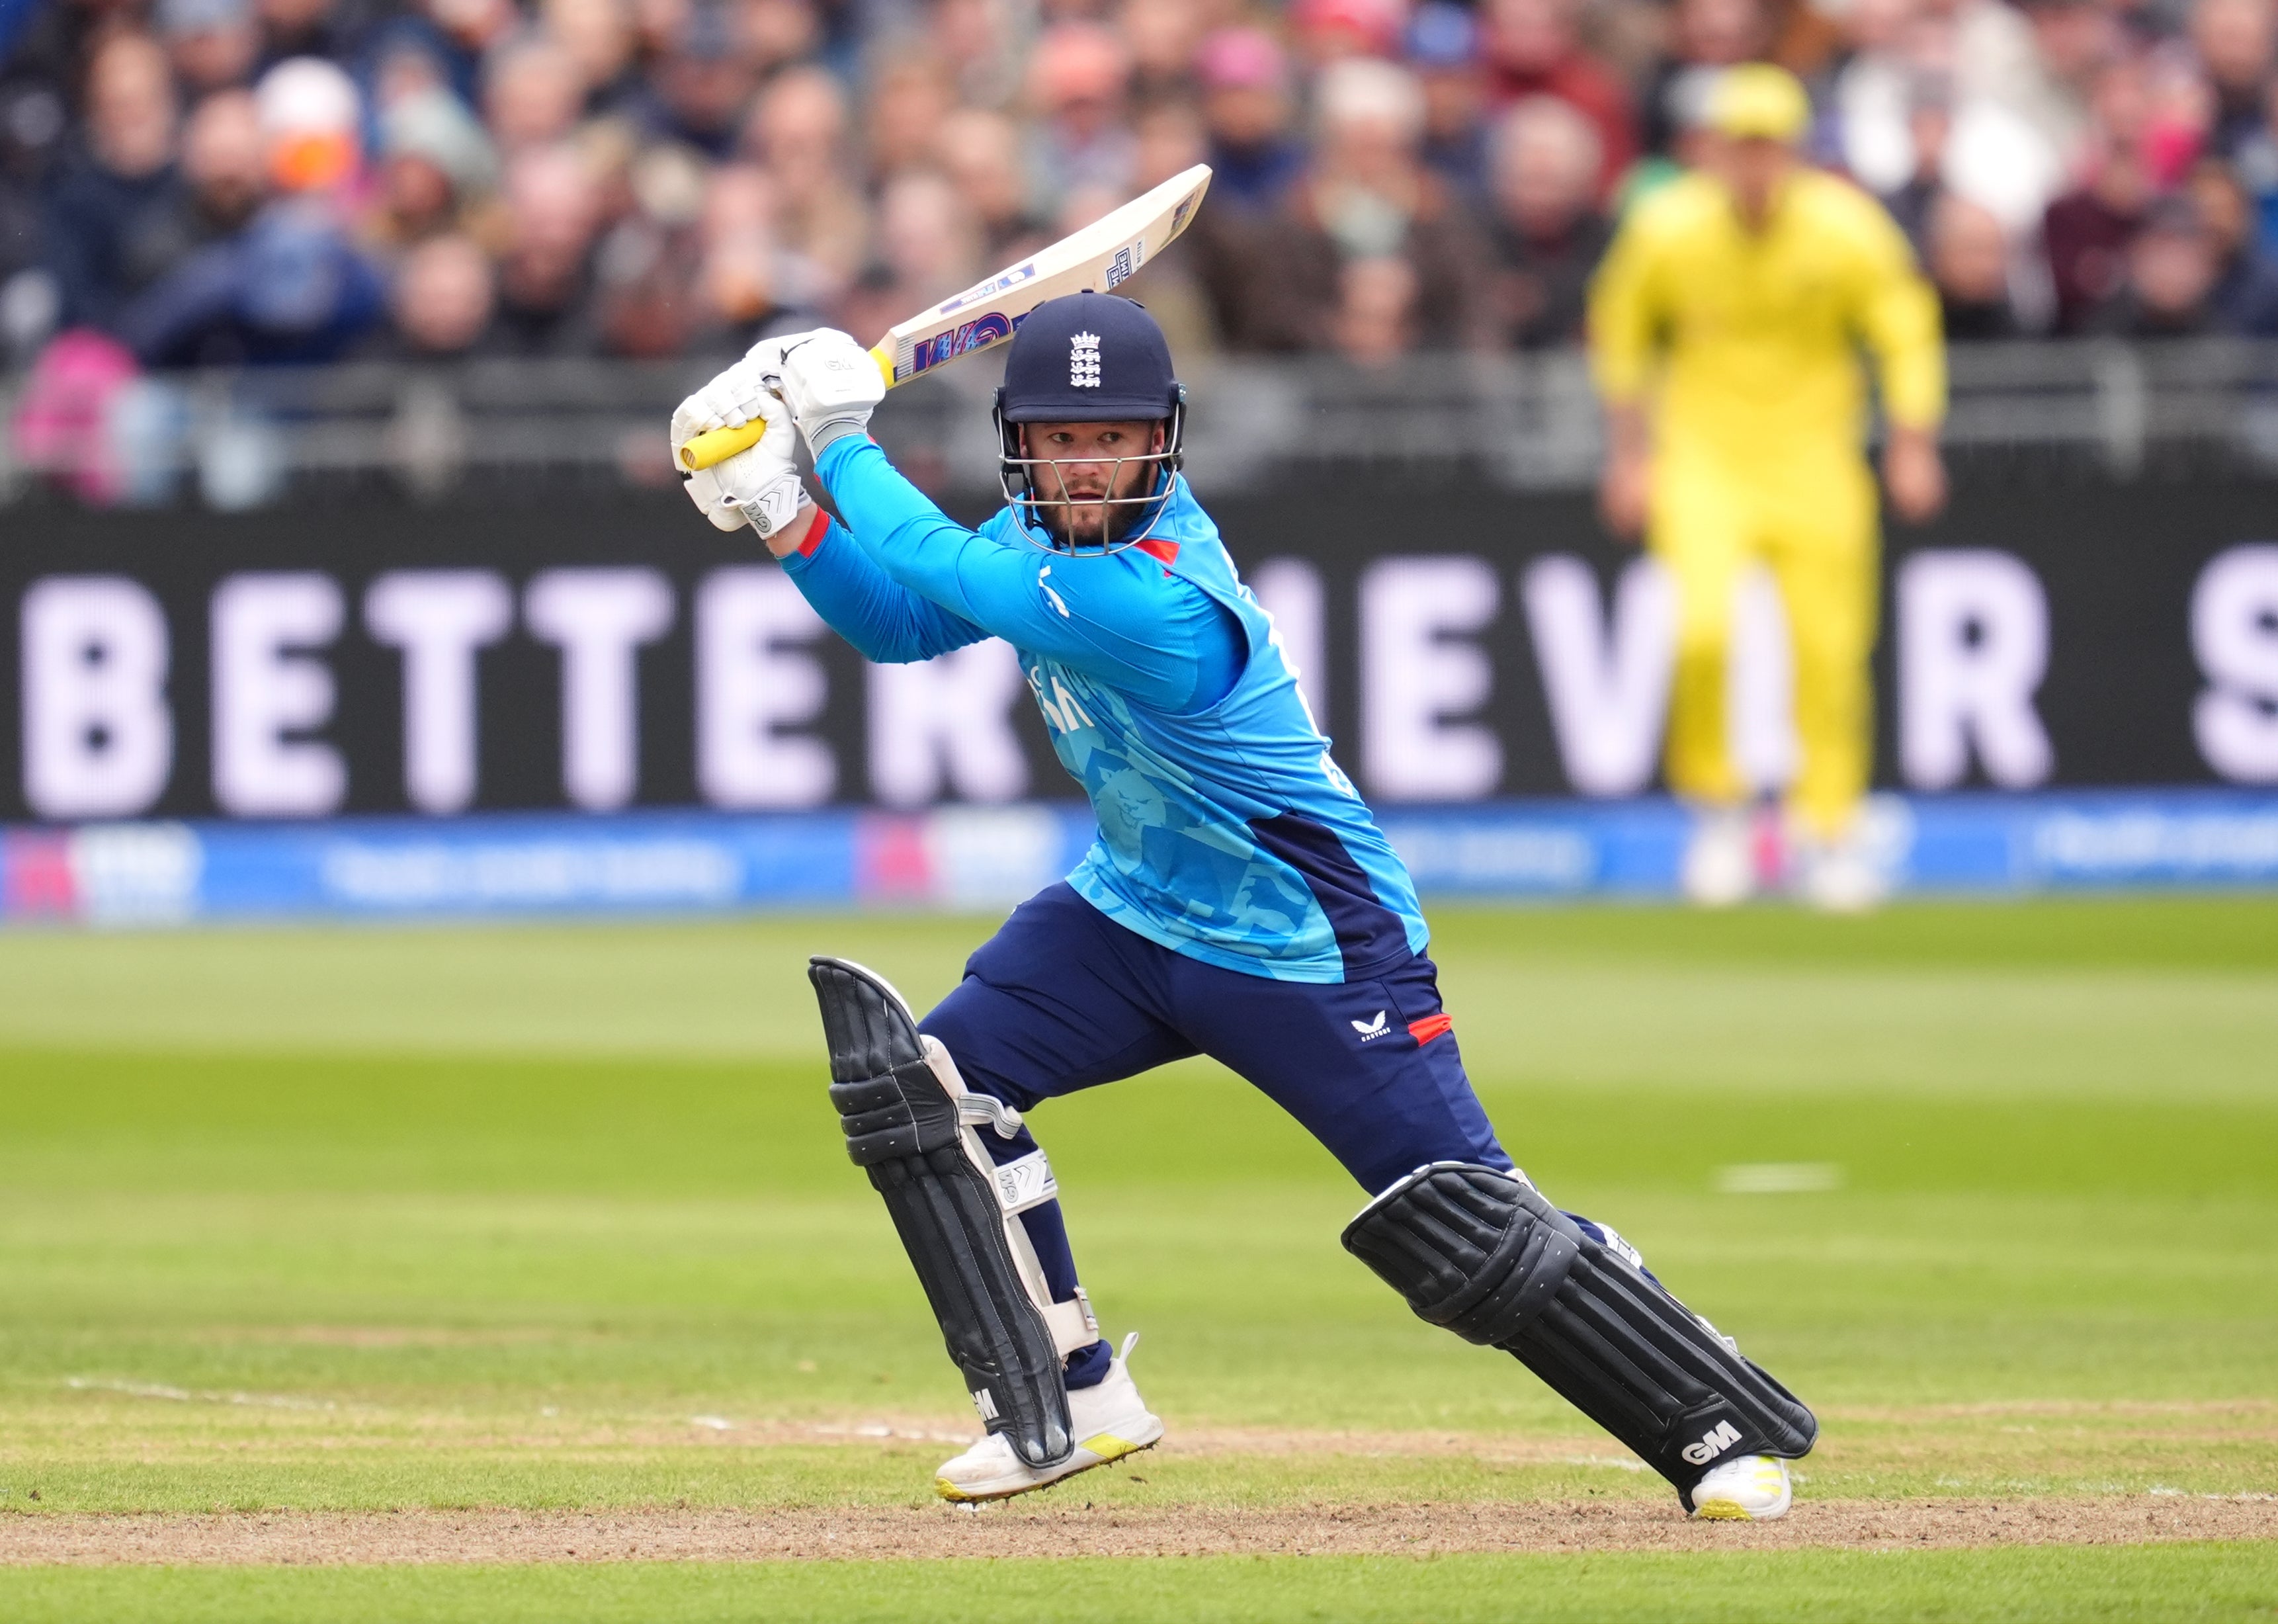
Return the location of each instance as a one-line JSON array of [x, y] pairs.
[[558, 1217]]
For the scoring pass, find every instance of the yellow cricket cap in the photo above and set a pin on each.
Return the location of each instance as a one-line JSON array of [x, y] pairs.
[[1756, 99]]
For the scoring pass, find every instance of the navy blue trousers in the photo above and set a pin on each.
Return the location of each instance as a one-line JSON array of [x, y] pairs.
[[1062, 999]]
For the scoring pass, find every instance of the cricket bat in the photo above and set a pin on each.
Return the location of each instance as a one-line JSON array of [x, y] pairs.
[[1099, 258]]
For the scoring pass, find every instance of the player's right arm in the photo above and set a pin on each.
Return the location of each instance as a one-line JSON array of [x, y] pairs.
[[885, 621], [1146, 632]]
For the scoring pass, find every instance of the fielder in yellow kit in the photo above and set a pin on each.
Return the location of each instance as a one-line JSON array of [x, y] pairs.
[[1726, 331]]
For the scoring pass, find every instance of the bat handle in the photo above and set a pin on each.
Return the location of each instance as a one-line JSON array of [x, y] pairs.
[[718, 445]]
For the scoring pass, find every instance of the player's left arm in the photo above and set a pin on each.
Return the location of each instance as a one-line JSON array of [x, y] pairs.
[[1897, 316], [885, 621]]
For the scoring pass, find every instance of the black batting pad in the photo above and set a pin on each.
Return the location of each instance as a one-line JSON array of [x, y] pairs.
[[1481, 1253], [901, 1126]]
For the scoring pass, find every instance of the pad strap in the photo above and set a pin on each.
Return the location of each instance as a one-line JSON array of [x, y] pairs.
[[1481, 1253]]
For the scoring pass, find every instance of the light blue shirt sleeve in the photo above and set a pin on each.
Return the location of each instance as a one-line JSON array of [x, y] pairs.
[[1121, 618], [884, 621]]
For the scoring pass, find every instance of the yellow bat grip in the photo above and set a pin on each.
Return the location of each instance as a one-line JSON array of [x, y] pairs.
[[718, 445]]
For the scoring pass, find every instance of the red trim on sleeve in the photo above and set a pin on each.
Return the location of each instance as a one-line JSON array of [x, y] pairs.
[[1159, 546], [1429, 1027], [818, 523]]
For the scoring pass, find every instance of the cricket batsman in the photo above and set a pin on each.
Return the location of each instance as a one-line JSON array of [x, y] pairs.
[[1240, 902], [1724, 331]]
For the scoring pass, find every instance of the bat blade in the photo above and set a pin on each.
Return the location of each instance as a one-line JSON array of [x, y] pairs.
[[1099, 258]]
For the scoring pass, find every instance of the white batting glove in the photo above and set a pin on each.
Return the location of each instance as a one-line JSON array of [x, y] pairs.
[[759, 487], [830, 384]]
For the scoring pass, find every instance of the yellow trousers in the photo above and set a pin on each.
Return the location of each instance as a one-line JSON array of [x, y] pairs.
[[1813, 521]]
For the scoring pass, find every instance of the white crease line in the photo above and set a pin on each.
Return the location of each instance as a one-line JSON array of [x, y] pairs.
[[183, 1395], [2185, 1494]]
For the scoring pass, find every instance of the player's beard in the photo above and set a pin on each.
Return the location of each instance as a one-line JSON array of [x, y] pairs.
[[1116, 519]]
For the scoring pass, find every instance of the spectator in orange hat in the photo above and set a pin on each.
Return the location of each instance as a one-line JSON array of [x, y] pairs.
[[312, 118], [1534, 49], [1247, 110]]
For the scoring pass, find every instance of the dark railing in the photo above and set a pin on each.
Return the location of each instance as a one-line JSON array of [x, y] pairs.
[[237, 440]]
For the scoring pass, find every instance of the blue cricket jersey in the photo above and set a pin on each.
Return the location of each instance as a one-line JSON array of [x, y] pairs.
[[1226, 832]]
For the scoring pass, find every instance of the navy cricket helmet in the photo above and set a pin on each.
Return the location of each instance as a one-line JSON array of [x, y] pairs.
[[1088, 357]]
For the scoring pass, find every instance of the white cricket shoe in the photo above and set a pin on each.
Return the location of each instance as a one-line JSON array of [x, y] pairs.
[[1751, 1489], [1110, 1422], [1720, 860]]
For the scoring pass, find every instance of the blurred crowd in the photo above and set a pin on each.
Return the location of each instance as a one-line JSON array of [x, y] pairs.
[[188, 182]]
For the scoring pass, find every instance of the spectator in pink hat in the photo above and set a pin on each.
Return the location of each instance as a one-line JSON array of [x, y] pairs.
[[1534, 49], [1246, 112]]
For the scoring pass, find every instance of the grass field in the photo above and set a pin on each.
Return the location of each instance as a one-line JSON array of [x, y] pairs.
[[535, 1220]]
